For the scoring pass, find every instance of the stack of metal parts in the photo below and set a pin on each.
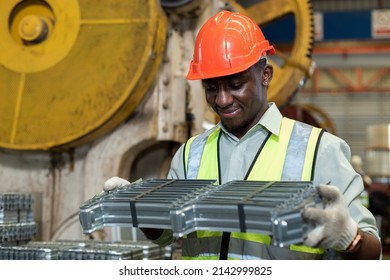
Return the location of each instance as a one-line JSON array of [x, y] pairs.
[[17, 230], [272, 208], [16, 218], [84, 250]]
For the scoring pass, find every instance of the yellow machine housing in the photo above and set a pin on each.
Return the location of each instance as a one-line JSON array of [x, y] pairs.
[[71, 71]]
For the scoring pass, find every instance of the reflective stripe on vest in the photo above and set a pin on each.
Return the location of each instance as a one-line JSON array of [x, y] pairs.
[[281, 159], [196, 148], [209, 248], [294, 137]]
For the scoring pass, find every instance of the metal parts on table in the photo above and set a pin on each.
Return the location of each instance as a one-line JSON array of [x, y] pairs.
[[184, 206], [17, 232], [16, 218], [83, 250], [15, 207]]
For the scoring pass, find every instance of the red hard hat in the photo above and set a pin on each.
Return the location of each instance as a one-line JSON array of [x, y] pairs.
[[227, 43]]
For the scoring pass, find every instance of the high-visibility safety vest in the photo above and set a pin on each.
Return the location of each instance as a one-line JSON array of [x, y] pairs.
[[287, 157]]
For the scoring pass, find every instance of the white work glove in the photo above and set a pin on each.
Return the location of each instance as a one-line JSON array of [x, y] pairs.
[[333, 227], [114, 182]]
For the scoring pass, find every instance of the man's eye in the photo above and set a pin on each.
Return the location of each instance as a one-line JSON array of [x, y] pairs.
[[236, 86], [210, 87]]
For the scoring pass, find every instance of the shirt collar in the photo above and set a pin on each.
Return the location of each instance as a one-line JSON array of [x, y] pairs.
[[271, 120]]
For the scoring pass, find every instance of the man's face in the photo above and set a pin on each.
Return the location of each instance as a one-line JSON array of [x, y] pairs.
[[239, 99]]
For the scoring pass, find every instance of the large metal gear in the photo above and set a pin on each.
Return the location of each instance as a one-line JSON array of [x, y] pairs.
[[67, 78], [72, 70], [296, 65]]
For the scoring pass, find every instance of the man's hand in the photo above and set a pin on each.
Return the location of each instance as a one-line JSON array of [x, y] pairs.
[[114, 182], [333, 227]]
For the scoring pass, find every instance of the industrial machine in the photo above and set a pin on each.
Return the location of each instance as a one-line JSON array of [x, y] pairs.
[[95, 89], [74, 71]]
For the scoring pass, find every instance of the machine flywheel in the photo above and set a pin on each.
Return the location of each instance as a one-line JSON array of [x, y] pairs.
[[72, 70]]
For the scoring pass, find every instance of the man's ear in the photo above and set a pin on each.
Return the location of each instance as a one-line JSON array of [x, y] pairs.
[[268, 73]]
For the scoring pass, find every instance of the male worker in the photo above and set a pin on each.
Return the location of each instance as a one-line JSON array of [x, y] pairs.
[[254, 142]]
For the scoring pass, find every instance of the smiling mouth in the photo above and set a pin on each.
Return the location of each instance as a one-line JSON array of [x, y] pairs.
[[227, 114]]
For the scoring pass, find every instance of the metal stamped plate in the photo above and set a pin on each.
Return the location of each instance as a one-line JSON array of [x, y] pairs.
[[184, 206]]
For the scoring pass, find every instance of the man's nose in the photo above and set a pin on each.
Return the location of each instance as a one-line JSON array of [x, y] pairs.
[[224, 98]]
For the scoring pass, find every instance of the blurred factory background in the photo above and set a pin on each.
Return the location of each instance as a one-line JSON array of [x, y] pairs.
[[91, 89]]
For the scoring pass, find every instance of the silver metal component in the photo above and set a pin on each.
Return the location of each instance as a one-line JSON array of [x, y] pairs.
[[153, 200], [271, 208], [16, 232], [83, 250], [15, 207], [16, 218]]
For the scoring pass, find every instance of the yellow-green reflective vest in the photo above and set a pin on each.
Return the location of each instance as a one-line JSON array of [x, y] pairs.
[[287, 157]]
